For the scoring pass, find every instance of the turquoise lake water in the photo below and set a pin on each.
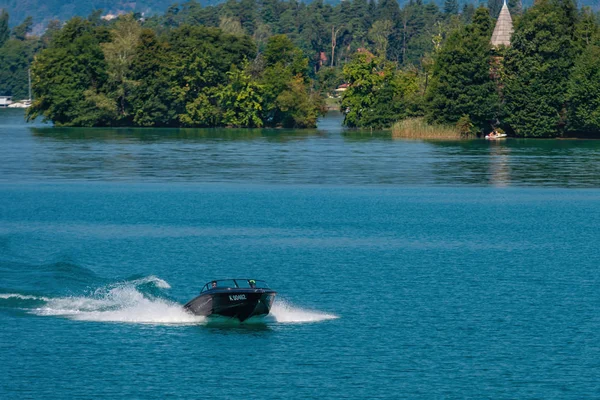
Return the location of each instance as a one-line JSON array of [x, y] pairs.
[[405, 269]]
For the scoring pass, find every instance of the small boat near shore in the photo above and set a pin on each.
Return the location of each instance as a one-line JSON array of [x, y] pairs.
[[233, 298], [20, 104], [496, 136]]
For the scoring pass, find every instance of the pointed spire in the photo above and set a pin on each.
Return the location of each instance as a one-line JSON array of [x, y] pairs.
[[503, 29]]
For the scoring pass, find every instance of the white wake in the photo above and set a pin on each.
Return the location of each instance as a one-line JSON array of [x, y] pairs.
[[284, 312], [126, 302], [22, 297], [121, 302]]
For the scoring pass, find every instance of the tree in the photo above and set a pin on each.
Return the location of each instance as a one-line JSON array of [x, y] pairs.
[[288, 100], [583, 94], [379, 35], [152, 100], [241, 100], [231, 26], [52, 29], [378, 95], [119, 54], [537, 67], [451, 7], [196, 63], [495, 6], [281, 50], [586, 30], [515, 7], [4, 28], [68, 76], [21, 31], [16, 57], [297, 106], [461, 83]]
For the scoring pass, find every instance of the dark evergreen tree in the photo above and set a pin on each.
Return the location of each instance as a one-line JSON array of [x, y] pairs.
[[21, 31], [537, 68], [467, 13], [515, 7], [4, 28], [583, 94], [495, 6], [152, 99], [16, 57], [461, 83], [451, 7]]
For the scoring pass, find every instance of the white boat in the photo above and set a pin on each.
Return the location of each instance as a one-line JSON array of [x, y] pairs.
[[20, 104], [496, 136], [23, 103]]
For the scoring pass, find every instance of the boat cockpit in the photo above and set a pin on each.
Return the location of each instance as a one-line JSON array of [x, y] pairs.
[[231, 284]]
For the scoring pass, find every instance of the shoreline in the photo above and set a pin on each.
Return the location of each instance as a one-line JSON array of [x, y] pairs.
[[331, 110]]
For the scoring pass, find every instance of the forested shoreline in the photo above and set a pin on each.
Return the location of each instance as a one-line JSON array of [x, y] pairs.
[[272, 63]]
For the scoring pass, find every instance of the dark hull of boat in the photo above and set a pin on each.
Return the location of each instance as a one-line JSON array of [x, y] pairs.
[[241, 303]]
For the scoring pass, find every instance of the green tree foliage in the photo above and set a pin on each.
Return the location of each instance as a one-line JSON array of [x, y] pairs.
[[152, 100], [16, 57], [587, 30], [419, 23], [515, 7], [52, 29], [450, 7], [495, 6], [4, 28], [21, 31], [16, 54], [288, 100], [537, 69], [119, 53], [267, 63], [93, 75], [378, 94], [379, 34], [461, 83], [583, 94], [467, 13], [197, 63], [231, 26], [241, 100], [68, 76], [296, 106]]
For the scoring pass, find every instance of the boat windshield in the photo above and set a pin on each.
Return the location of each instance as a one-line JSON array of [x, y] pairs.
[[251, 284], [235, 284]]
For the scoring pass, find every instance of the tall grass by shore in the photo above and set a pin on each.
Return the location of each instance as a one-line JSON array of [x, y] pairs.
[[417, 128]]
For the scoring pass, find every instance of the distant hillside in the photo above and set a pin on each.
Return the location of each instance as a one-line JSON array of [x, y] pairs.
[[46, 10], [43, 11]]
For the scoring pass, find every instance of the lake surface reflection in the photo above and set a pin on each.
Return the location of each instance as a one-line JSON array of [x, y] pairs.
[[327, 155]]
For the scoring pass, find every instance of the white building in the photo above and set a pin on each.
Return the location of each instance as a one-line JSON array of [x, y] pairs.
[[5, 101]]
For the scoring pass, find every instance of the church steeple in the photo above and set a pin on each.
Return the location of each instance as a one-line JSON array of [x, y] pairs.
[[503, 29]]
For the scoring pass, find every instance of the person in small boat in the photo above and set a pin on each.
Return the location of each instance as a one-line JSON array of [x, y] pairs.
[[213, 284], [252, 283]]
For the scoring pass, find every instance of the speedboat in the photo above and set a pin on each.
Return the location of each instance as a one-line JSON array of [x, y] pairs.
[[233, 298]]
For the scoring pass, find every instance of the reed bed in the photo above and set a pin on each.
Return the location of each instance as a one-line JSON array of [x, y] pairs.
[[417, 128]]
